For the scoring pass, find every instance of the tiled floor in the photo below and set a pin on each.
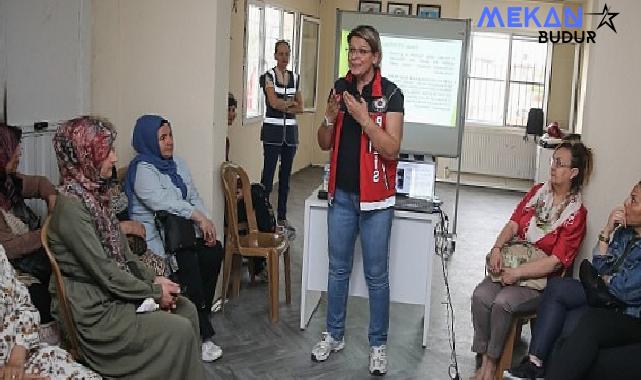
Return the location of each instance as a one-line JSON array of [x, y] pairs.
[[254, 348]]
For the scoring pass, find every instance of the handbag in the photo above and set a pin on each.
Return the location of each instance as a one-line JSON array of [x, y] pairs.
[[178, 232], [596, 290], [36, 264], [516, 253], [137, 244]]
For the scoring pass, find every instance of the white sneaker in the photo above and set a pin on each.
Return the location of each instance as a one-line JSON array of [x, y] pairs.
[[378, 360], [326, 346], [218, 305], [211, 351]]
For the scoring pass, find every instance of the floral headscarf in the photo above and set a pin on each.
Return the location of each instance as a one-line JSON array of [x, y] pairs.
[[81, 145], [547, 216], [10, 185]]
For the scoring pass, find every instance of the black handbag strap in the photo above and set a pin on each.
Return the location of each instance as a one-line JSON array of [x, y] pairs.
[[170, 257], [626, 252], [156, 221]]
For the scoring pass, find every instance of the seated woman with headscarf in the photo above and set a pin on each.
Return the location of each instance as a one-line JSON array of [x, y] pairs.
[[19, 225], [22, 355], [106, 284], [159, 181]]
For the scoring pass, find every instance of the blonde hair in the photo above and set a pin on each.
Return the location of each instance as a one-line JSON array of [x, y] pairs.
[[370, 35]]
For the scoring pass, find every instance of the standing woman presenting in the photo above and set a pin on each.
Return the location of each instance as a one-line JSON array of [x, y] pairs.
[[279, 134], [363, 127]]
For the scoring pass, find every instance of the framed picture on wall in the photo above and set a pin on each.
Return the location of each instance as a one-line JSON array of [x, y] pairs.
[[370, 6], [402, 9], [428, 11]]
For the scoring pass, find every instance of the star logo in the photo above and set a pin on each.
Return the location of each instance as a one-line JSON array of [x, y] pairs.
[[606, 18]]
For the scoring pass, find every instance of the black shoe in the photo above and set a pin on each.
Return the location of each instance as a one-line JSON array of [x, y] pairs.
[[527, 370], [289, 230]]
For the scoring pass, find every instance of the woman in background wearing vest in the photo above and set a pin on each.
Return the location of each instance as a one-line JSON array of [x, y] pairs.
[[280, 129], [363, 127]]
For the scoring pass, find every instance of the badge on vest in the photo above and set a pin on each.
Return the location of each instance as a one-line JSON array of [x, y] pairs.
[[380, 104]]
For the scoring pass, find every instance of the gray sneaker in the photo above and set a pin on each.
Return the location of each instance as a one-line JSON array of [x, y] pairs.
[[326, 346], [378, 360]]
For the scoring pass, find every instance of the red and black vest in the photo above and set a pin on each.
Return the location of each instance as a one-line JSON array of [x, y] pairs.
[[377, 175]]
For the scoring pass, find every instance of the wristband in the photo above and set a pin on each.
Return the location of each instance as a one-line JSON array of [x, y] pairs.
[[327, 122]]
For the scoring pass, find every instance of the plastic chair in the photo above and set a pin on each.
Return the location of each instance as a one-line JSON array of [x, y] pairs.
[[252, 244]]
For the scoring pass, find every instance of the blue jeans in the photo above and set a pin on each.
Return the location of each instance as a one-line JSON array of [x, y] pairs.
[[271, 153], [344, 221], [562, 305]]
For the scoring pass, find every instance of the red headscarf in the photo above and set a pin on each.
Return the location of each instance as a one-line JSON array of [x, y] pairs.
[[82, 145], [10, 186]]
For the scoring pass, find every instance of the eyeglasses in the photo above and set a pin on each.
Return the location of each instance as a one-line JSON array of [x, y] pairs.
[[556, 162], [361, 52]]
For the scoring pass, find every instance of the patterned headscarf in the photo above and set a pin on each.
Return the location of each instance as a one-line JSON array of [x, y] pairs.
[[10, 185], [82, 145]]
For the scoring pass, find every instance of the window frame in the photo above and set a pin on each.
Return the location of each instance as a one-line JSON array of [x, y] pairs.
[[262, 65], [507, 81], [261, 50], [317, 21]]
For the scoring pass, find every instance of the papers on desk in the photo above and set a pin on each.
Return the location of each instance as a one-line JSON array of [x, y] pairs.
[[422, 184], [416, 179]]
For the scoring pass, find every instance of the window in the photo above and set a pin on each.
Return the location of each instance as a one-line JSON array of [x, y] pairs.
[[507, 77], [264, 26]]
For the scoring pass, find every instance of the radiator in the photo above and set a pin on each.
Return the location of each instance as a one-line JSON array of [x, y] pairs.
[[497, 153], [39, 158]]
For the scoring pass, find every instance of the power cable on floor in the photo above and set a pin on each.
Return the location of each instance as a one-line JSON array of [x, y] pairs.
[[442, 247]]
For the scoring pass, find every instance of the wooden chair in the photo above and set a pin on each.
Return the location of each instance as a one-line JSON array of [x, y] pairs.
[[252, 244], [121, 173], [518, 320], [70, 339]]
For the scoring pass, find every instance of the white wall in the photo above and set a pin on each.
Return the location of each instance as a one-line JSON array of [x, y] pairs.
[[169, 58], [590, 6], [560, 90], [44, 59], [3, 56], [611, 125]]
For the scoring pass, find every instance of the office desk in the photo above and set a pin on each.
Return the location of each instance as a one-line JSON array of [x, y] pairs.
[[411, 261]]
